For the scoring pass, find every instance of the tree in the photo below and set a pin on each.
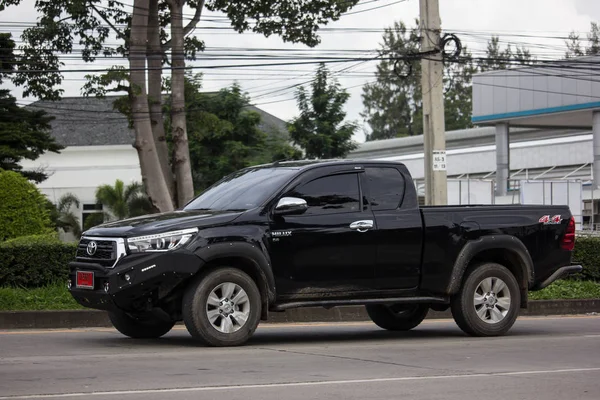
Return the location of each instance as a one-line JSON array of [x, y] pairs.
[[320, 129], [574, 48], [498, 58], [22, 207], [123, 201], [150, 163], [224, 134], [24, 134], [393, 103], [458, 92], [67, 220], [8, 60], [181, 152], [61, 215], [64, 23]]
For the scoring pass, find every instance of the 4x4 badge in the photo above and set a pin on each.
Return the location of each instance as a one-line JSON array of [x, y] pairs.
[[546, 220]]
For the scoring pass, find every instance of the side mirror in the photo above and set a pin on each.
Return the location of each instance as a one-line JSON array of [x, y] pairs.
[[291, 206]]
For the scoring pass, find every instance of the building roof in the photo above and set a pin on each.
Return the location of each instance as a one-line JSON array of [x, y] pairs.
[[93, 121], [551, 94], [457, 139], [86, 121]]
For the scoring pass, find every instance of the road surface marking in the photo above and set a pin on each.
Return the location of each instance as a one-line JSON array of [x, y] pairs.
[[295, 384]]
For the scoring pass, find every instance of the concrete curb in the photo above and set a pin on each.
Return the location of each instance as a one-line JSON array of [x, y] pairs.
[[93, 319]]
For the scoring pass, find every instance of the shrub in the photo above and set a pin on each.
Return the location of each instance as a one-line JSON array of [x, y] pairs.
[[22, 207], [44, 238], [35, 261], [587, 253]]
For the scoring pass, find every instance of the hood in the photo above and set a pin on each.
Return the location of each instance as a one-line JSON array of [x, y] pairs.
[[163, 222]]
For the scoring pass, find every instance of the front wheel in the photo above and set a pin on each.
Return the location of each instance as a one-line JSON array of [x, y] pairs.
[[149, 325], [397, 317], [222, 308], [488, 302]]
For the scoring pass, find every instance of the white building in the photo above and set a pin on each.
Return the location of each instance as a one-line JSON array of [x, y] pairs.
[[535, 154], [99, 148]]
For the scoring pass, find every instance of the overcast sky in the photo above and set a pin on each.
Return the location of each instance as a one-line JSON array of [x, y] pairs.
[[475, 20]]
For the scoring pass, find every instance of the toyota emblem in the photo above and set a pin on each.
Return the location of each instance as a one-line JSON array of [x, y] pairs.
[[91, 248]]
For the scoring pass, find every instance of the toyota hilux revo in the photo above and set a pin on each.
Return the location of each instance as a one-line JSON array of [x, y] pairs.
[[319, 233]]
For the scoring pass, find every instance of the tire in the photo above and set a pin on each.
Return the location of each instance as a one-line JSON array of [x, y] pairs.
[[227, 327], [497, 313], [397, 317], [148, 326]]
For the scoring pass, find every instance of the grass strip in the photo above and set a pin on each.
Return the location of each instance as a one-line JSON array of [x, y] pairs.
[[568, 289], [57, 297], [53, 297]]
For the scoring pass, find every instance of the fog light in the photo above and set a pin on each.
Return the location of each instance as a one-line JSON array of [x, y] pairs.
[[127, 277]]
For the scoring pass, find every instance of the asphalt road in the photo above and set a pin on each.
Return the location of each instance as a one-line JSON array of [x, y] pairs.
[[541, 358]]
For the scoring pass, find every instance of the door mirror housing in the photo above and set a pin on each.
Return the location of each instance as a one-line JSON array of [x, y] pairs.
[[291, 206]]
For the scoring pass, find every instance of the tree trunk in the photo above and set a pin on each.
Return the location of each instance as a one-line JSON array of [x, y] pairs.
[[152, 176], [155, 55], [181, 152]]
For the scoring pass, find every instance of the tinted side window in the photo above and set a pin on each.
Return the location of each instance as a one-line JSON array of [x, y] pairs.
[[386, 188], [330, 194]]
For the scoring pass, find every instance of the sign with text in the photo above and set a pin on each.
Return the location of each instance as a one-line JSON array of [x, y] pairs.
[[439, 160]]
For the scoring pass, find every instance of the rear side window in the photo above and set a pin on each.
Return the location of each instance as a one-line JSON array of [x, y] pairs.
[[330, 194], [386, 188]]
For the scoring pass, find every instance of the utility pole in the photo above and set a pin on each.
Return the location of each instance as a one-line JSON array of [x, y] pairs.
[[432, 85]]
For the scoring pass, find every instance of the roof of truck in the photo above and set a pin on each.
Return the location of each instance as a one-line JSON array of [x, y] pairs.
[[303, 164]]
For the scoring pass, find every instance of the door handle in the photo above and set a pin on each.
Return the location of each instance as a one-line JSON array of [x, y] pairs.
[[362, 226]]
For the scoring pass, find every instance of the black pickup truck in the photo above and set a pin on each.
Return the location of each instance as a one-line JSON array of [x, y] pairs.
[[319, 233]]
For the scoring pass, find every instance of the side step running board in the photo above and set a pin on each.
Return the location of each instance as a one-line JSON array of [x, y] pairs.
[[360, 302]]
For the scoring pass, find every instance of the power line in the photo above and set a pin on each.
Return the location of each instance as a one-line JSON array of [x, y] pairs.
[[375, 8], [70, 111]]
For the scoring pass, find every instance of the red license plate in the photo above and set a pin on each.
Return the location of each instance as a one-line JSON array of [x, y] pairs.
[[85, 280]]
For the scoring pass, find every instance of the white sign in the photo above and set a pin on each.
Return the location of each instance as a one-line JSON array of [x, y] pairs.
[[439, 160]]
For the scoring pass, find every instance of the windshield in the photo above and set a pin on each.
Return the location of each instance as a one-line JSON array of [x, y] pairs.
[[242, 190]]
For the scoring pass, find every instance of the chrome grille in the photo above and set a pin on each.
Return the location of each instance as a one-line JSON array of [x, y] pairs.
[[105, 254]]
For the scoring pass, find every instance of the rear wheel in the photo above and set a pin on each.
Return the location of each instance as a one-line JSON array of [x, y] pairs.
[[149, 325], [488, 302], [398, 317], [222, 308]]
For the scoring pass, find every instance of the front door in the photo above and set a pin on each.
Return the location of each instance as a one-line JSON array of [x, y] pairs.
[[330, 249]]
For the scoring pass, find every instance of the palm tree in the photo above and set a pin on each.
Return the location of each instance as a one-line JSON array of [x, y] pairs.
[[67, 220], [124, 201]]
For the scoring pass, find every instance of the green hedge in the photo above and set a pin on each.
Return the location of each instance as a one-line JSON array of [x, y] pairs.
[[22, 207], [587, 253], [35, 261], [40, 260]]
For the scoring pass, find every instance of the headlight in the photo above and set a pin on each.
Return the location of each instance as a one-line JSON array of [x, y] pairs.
[[160, 242]]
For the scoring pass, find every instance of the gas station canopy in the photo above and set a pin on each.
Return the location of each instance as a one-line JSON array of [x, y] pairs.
[[557, 94]]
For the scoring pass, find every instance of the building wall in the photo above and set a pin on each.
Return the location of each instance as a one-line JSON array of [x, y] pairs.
[[81, 169], [480, 159]]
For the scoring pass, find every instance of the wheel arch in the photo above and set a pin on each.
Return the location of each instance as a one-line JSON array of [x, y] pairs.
[[246, 257], [505, 250]]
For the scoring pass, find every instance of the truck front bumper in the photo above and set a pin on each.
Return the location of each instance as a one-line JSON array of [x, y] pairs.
[[558, 274], [138, 281]]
